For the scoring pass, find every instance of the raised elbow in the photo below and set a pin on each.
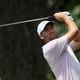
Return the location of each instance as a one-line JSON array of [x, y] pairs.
[[76, 31]]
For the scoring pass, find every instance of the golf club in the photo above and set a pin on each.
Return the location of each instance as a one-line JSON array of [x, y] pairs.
[[28, 21]]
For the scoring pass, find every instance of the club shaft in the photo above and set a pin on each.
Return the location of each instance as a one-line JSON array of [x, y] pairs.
[[26, 21]]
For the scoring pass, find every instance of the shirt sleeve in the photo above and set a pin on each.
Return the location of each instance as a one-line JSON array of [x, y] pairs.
[[54, 48]]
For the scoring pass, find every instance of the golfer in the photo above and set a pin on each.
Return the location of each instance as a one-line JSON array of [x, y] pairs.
[[58, 51]]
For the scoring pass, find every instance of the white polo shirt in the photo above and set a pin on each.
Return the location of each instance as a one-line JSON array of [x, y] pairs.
[[61, 59]]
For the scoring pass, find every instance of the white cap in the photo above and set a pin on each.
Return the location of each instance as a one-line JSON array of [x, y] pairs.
[[41, 26]]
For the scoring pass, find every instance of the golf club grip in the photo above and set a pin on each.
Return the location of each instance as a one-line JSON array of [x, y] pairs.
[[52, 18]]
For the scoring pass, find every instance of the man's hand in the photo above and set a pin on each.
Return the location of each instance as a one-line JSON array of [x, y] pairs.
[[61, 16]]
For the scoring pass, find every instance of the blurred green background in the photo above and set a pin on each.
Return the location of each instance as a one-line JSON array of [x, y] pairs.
[[21, 56]]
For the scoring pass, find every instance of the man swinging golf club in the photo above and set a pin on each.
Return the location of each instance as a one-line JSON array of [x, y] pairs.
[[58, 50]]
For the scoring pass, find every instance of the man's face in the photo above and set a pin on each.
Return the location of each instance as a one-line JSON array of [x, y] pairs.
[[49, 33]]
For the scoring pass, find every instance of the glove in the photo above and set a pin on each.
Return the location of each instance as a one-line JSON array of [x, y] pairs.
[[70, 17], [68, 14]]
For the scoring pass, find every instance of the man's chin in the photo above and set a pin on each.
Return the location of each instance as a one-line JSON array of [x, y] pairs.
[[52, 38], [55, 37]]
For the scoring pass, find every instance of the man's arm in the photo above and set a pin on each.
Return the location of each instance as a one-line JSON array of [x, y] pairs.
[[75, 43], [72, 28], [77, 39]]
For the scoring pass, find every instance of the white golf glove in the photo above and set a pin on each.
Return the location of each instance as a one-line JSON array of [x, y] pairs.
[[68, 14]]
